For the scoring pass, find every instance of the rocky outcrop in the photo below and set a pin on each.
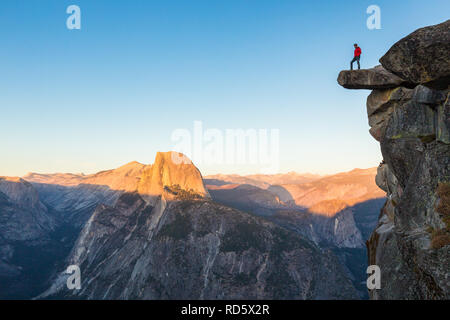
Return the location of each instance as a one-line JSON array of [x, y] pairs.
[[411, 243], [375, 78]]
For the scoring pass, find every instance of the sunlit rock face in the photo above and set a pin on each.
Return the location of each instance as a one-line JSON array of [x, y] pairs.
[[411, 243], [172, 174]]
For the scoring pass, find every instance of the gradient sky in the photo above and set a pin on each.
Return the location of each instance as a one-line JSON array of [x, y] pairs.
[[114, 91]]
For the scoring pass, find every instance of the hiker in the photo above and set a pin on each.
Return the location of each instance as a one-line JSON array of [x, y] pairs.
[[356, 57]]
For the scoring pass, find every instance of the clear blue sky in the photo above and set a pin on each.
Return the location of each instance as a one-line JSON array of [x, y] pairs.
[[114, 91]]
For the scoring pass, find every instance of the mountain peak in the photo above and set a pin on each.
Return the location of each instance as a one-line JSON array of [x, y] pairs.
[[170, 173]]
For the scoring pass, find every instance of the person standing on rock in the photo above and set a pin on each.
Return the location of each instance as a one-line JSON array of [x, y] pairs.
[[357, 56]]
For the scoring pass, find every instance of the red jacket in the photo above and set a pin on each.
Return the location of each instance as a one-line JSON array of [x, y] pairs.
[[357, 51]]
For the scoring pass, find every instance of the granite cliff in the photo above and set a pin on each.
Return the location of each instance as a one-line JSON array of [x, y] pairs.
[[409, 114]]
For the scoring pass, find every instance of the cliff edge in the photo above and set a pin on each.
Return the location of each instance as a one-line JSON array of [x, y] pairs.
[[409, 114]]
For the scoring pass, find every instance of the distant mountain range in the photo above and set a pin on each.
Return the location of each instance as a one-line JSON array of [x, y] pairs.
[[261, 180], [221, 237], [321, 194], [337, 211]]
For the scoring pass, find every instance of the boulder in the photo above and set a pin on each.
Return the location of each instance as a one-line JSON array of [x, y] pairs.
[[375, 78], [422, 57]]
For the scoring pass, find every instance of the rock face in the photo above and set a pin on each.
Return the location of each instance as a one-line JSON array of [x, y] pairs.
[[171, 172], [422, 57], [411, 243]]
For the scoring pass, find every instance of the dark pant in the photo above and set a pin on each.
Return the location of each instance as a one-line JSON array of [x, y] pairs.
[[357, 60]]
